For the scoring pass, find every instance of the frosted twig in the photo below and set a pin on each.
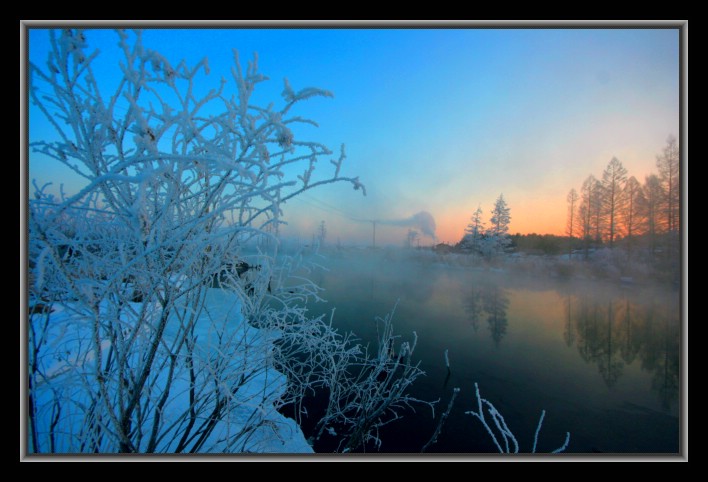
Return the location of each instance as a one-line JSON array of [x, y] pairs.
[[504, 430], [441, 422], [538, 429]]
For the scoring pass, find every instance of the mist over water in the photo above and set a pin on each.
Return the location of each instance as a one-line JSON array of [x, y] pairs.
[[601, 358]]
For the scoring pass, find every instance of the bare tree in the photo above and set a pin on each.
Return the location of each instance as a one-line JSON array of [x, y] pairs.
[[590, 198], [614, 178], [650, 207], [632, 214], [668, 165], [572, 208]]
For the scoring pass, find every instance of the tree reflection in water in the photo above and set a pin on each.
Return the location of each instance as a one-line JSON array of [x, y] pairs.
[[493, 301], [473, 307], [614, 331], [496, 302]]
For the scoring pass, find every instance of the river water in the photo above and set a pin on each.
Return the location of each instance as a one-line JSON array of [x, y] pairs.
[[602, 359]]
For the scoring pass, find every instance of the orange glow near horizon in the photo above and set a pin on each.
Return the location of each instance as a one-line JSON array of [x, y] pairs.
[[531, 211], [541, 217]]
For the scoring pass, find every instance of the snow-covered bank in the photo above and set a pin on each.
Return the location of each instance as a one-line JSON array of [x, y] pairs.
[[66, 398]]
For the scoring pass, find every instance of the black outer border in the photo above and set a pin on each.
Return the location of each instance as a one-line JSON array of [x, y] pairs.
[[680, 25]]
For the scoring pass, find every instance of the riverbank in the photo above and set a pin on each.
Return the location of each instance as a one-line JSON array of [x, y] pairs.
[[64, 397]]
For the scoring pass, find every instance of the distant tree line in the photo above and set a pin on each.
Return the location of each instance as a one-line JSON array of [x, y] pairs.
[[543, 244], [617, 209]]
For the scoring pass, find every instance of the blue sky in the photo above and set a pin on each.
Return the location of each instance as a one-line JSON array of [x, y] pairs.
[[444, 120]]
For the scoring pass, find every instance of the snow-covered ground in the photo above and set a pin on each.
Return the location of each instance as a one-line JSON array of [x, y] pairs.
[[68, 361]]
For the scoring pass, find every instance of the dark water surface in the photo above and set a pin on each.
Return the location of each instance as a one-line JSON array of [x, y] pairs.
[[600, 358]]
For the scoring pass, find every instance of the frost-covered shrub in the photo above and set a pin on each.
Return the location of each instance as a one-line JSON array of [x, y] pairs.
[[130, 349], [362, 389]]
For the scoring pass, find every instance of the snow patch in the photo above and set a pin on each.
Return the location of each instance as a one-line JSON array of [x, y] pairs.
[[68, 364]]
